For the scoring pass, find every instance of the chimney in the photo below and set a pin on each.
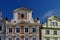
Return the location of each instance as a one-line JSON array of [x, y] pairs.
[[6, 19], [37, 18]]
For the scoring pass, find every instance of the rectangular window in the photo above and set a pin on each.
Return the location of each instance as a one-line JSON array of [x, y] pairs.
[[17, 30], [26, 38], [54, 24], [10, 30], [10, 38], [0, 38], [34, 38], [17, 39], [26, 30], [47, 31], [33, 29], [55, 32], [0, 28]]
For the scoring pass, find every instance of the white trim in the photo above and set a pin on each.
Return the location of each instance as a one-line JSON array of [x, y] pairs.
[[26, 37], [8, 29], [34, 37], [17, 37], [34, 27], [17, 27], [26, 27], [10, 37]]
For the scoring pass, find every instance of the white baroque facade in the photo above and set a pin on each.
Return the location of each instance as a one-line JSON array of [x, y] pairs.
[[22, 26], [51, 29]]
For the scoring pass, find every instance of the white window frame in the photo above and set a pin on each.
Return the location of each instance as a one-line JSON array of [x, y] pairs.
[[26, 37], [34, 27], [34, 37], [10, 37], [17, 37], [17, 27], [54, 33], [26, 27], [53, 23], [8, 29], [46, 31]]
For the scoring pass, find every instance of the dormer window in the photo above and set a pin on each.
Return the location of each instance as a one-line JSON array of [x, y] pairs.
[[22, 15], [54, 23]]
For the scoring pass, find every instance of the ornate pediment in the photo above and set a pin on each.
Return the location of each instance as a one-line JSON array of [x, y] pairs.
[[21, 8], [53, 17]]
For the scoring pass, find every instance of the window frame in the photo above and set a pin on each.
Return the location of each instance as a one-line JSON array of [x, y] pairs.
[[8, 29], [35, 30], [10, 37], [22, 15], [33, 37], [26, 27], [1, 27], [26, 37], [54, 23], [19, 28], [55, 32], [17, 37], [47, 32]]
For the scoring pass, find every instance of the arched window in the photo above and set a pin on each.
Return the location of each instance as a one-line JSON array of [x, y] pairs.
[[22, 15]]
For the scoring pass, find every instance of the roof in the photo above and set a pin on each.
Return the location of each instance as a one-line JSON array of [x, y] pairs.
[[54, 17], [21, 8]]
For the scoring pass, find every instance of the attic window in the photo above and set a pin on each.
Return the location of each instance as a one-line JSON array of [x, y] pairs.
[[22, 15], [54, 23]]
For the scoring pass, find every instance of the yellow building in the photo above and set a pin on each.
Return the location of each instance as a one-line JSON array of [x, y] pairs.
[[51, 29]]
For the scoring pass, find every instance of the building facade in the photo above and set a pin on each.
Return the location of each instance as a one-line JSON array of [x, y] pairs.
[[2, 27], [22, 26], [51, 29]]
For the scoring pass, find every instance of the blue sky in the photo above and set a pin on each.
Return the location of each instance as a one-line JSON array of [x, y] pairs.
[[41, 8]]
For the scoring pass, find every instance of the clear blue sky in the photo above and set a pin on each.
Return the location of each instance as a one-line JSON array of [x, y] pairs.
[[41, 8]]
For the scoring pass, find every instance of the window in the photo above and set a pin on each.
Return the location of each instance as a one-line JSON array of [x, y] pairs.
[[26, 30], [22, 15], [55, 32], [0, 38], [47, 31], [26, 38], [0, 27], [17, 30], [17, 39], [54, 24], [10, 38], [33, 29], [47, 38], [10, 30], [34, 38]]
